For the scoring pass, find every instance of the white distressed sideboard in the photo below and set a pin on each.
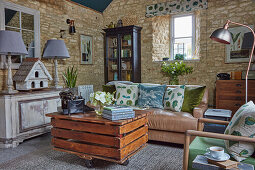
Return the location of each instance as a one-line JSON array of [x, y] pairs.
[[22, 115]]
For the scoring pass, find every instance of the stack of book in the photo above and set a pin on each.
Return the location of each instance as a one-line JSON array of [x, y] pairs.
[[118, 112]]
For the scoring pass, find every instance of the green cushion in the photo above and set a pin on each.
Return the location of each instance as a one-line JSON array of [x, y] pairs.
[[192, 98], [109, 88], [200, 144]]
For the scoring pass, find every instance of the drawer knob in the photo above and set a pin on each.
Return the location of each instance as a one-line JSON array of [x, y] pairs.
[[238, 98], [237, 105], [238, 85], [238, 91]]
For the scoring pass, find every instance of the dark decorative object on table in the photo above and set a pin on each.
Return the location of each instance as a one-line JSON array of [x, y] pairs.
[[119, 23], [223, 76], [73, 104]]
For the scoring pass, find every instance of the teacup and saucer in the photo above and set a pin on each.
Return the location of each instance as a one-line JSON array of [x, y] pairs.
[[216, 153]]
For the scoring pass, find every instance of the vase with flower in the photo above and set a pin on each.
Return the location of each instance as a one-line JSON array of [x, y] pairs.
[[175, 69], [100, 99]]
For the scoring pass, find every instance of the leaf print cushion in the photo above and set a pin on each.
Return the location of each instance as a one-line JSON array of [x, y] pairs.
[[126, 94], [242, 124], [174, 97], [151, 96]]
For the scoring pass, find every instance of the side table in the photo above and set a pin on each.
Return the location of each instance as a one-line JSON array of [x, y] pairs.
[[200, 162], [218, 114]]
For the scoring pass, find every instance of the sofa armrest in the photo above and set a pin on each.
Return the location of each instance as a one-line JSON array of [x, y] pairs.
[[190, 133], [214, 121], [198, 112]]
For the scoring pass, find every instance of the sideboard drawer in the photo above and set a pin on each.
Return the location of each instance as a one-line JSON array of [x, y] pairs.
[[232, 97], [230, 94], [230, 105]]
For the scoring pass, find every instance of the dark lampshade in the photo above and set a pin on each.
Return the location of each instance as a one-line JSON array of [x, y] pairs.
[[247, 40], [221, 35], [11, 43], [55, 49]]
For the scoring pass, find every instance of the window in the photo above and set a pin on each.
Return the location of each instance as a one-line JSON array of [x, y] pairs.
[[36, 74], [41, 83], [14, 17], [182, 37]]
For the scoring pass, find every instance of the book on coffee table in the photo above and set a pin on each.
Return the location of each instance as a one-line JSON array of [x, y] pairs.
[[201, 162], [224, 164], [118, 109]]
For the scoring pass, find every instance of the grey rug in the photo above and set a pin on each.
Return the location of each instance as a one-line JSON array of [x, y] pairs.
[[37, 154]]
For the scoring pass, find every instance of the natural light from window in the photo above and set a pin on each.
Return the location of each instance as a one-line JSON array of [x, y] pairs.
[[182, 39]]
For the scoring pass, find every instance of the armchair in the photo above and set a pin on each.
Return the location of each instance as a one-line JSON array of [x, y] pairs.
[[204, 140]]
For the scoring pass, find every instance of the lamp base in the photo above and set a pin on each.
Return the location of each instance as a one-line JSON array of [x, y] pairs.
[[9, 92]]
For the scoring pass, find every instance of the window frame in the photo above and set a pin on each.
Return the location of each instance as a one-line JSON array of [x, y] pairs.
[[19, 8], [172, 35]]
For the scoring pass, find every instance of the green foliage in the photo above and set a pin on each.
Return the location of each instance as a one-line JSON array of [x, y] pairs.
[[127, 37], [70, 77], [173, 70], [179, 57]]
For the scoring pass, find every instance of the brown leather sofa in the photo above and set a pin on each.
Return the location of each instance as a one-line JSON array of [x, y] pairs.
[[168, 126]]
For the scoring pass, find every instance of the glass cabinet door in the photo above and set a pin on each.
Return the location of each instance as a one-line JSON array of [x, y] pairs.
[[126, 57], [112, 58]]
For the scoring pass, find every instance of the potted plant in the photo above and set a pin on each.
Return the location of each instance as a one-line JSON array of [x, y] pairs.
[[127, 38], [174, 70], [99, 99], [70, 79]]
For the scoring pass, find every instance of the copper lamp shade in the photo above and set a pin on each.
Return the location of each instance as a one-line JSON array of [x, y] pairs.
[[221, 35]]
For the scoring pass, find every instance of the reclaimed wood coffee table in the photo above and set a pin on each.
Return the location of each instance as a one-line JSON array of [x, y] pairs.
[[90, 136]]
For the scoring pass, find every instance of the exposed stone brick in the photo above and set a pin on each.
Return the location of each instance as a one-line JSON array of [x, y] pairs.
[[212, 54]]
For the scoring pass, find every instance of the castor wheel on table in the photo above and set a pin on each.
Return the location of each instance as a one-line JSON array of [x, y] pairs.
[[125, 163], [88, 163]]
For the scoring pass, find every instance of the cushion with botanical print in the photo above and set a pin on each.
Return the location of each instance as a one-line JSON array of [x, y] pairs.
[[174, 97], [242, 124], [126, 94], [151, 96]]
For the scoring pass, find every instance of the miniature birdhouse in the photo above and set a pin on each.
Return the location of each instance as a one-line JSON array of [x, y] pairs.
[[32, 74]]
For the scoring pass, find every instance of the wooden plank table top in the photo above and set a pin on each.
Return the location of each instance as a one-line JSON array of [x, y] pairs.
[[92, 117]]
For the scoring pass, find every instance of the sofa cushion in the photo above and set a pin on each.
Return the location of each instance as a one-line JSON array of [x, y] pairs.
[[151, 96], [173, 98], [242, 124], [192, 98], [126, 94], [171, 121]]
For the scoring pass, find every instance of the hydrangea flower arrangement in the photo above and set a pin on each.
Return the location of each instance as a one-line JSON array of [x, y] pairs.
[[99, 99]]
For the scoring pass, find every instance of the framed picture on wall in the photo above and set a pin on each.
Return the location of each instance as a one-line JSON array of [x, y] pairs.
[[234, 51], [86, 49]]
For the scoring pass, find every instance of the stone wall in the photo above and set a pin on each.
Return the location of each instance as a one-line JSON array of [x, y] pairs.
[[53, 15], [212, 54]]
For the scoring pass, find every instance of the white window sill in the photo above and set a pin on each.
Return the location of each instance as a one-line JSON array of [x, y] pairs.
[[172, 61]]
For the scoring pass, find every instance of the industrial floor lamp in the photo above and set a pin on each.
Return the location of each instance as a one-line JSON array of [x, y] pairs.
[[222, 35]]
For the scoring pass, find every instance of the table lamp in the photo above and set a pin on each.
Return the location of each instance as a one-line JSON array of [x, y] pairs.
[[55, 49], [222, 35], [11, 43]]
